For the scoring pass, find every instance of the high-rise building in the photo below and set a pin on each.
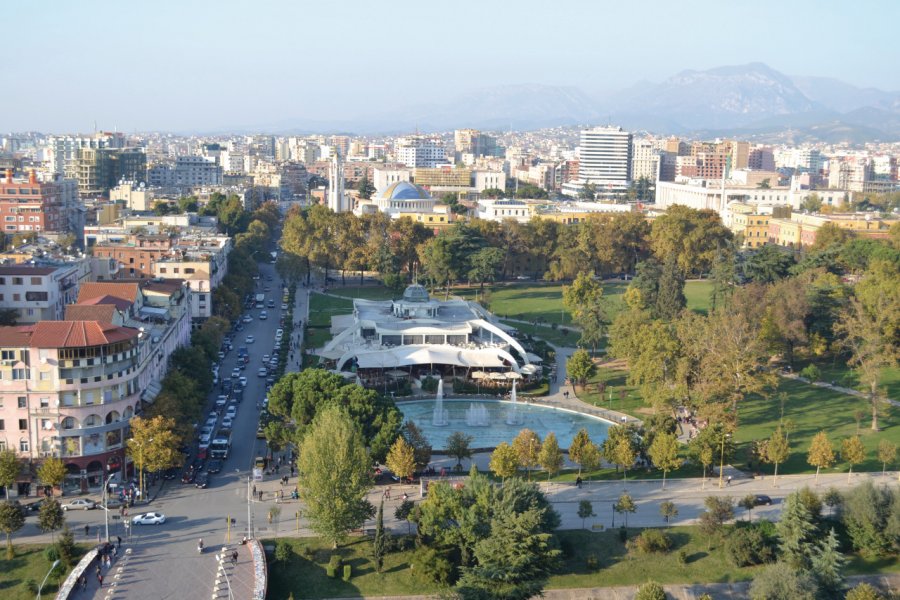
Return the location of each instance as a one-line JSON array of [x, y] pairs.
[[62, 150], [97, 170], [604, 161], [644, 160], [761, 159], [29, 205], [421, 152], [472, 141]]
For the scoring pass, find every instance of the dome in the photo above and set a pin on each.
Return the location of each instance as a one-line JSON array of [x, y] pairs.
[[415, 293], [403, 190]]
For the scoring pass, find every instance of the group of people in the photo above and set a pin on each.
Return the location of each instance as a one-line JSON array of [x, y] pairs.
[[105, 556]]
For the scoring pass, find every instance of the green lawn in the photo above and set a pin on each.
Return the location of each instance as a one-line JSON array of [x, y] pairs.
[[625, 398], [841, 374], [322, 308], [316, 337], [306, 578], [561, 336], [811, 410], [28, 563], [369, 292]]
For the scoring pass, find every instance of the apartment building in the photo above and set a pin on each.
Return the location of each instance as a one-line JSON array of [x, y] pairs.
[[40, 293], [202, 261], [32, 206], [136, 253]]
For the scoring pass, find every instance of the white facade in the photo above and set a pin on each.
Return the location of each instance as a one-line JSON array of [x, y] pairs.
[[203, 267], [645, 159], [384, 178], [604, 160], [418, 152], [485, 180], [41, 293], [337, 198]]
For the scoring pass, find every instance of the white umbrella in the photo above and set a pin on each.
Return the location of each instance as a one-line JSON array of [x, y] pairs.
[[512, 375], [479, 374]]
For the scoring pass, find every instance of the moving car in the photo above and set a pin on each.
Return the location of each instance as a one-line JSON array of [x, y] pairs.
[[263, 372], [248, 319], [202, 481], [151, 518], [250, 339], [227, 422], [214, 466], [243, 381], [265, 358], [761, 500], [79, 503], [284, 306], [263, 315]]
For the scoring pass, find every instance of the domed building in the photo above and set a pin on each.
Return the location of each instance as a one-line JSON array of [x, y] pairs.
[[404, 197]]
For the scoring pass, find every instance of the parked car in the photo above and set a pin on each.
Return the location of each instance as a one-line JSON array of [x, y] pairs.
[[227, 422], [265, 358], [232, 411], [79, 504], [284, 306], [151, 518]]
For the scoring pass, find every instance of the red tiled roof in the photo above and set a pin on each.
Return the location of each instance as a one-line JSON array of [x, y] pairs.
[[76, 334], [119, 303], [16, 336], [103, 313], [124, 290]]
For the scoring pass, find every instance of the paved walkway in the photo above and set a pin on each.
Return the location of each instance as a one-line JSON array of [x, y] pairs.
[[837, 388]]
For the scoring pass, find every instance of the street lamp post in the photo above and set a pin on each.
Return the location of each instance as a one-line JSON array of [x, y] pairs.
[[104, 503], [53, 566]]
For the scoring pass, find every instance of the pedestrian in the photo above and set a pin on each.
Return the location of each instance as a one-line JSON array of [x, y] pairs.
[[87, 530], [100, 579], [387, 492], [82, 581], [119, 541], [254, 490], [234, 557], [292, 470], [728, 481]]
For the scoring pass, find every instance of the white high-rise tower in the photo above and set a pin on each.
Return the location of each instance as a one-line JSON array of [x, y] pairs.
[[337, 200]]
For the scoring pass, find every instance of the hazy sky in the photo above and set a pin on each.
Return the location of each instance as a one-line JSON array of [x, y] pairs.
[[202, 65]]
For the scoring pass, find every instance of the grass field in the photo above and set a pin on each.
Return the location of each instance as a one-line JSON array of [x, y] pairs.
[[368, 292], [306, 578], [322, 308], [843, 375], [29, 563]]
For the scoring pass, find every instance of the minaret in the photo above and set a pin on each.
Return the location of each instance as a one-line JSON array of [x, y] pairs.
[[336, 199]]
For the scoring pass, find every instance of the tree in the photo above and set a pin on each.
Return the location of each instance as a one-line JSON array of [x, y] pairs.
[[796, 533], [527, 446], [870, 515], [336, 475], [768, 264], [853, 452], [365, 188], [9, 469], [580, 366], [693, 236], [664, 453], [827, 563], [52, 472], [68, 551], [420, 444], [576, 449], [550, 457], [154, 444], [668, 510], [584, 300], [401, 459], [670, 300], [585, 510], [620, 447], [504, 461], [863, 591], [887, 454], [777, 451], [404, 512], [458, 447], [484, 265], [12, 519], [651, 591], [9, 316], [748, 502], [625, 505], [718, 512], [51, 517], [782, 582], [587, 192], [378, 544], [590, 458], [821, 453], [811, 203]]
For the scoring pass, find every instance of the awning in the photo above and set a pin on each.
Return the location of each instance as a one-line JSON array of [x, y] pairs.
[[403, 356], [152, 311], [512, 375], [530, 369], [152, 391], [534, 358], [479, 374]]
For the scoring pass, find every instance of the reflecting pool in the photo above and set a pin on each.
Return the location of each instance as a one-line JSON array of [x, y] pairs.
[[490, 422]]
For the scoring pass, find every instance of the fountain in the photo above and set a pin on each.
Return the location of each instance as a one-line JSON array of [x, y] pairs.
[[477, 415], [439, 417], [512, 415]]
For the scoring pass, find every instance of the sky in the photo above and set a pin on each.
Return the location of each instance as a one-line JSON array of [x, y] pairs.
[[197, 65]]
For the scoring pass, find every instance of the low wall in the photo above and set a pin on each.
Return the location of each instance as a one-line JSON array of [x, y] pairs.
[[260, 570], [68, 587]]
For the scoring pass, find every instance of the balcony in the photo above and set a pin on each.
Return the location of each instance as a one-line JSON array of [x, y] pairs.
[[80, 431]]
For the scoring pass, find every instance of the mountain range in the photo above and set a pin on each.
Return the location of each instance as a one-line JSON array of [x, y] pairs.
[[753, 101]]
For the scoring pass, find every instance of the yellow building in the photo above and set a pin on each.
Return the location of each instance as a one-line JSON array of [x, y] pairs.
[[785, 232], [752, 223]]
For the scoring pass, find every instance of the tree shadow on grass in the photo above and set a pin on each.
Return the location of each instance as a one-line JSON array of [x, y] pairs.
[[696, 556]]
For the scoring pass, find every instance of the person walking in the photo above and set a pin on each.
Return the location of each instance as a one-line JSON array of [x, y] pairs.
[[82, 581], [87, 530], [100, 579], [119, 541]]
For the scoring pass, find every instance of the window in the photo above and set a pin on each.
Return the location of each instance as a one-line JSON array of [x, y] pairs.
[[18, 281], [17, 297], [23, 424], [46, 424], [19, 374], [8, 354], [45, 402], [36, 296], [35, 281], [23, 402], [23, 445], [2, 425]]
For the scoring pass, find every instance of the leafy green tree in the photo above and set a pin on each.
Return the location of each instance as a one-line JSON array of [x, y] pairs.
[[718, 512], [780, 581], [748, 502], [590, 458], [12, 519], [853, 452], [52, 472], [153, 445], [796, 533], [584, 300], [580, 366], [333, 451], [827, 563], [550, 456], [664, 453], [401, 459], [768, 264], [863, 591], [821, 453], [621, 447], [404, 512], [527, 446], [693, 236], [870, 515], [378, 544], [587, 192], [65, 545], [458, 446], [829, 235], [51, 517], [625, 505], [485, 264], [585, 511], [504, 461], [365, 188], [811, 203], [418, 441], [668, 510], [9, 469], [651, 591], [777, 451]]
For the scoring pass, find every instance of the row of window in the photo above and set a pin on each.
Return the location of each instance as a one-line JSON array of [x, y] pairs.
[[21, 280], [29, 297]]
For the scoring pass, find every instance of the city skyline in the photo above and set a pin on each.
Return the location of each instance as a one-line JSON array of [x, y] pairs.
[[224, 66]]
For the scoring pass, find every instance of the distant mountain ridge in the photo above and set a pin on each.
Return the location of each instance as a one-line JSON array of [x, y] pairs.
[[751, 99]]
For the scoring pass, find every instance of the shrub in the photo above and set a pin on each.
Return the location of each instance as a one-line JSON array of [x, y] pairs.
[[432, 566], [348, 572], [682, 557], [429, 384], [812, 372], [283, 551], [650, 591], [864, 591], [623, 534], [30, 586], [867, 515], [334, 563], [779, 581], [748, 546], [307, 552], [592, 562], [566, 547], [51, 553], [653, 541]]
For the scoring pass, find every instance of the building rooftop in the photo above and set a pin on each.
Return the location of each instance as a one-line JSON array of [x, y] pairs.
[[77, 334], [25, 270], [403, 190], [127, 291]]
